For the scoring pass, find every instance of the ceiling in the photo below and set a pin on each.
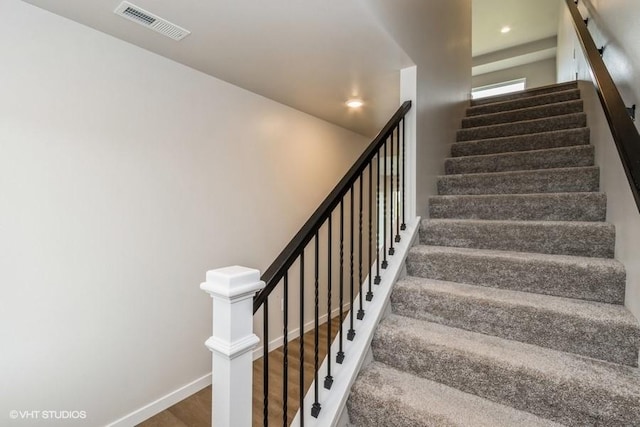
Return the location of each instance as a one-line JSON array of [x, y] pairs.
[[533, 23], [311, 55]]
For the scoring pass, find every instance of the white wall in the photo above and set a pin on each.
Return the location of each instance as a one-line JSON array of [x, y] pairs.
[[539, 73], [123, 178], [437, 37], [621, 208]]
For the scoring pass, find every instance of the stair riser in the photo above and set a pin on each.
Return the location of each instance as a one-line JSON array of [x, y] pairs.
[[568, 180], [543, 207], [522, 128], [530, 113], [541, 141], [568, 402], [592, 282], [551, 98], [529, 160], [525, 94], [537, 207], [545, 328], [577, 239]]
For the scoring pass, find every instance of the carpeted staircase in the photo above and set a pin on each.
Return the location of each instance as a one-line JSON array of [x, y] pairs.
[[511, 313]]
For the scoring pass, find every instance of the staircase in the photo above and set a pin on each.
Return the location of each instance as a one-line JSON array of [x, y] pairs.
[[511, 311]]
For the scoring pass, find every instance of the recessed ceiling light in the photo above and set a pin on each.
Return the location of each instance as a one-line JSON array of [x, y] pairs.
[[505, 30], [355, 103]]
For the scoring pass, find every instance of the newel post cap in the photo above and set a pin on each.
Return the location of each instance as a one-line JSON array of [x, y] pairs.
[[232, 282]]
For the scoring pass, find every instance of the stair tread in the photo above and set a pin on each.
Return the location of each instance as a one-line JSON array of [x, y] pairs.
[[596, 279], [529, 172], [559, 96], [518, 222], [575, 179], [596, 239], [549, 139], [589, 206], [547, 158], [520, 153], [524, 113], [597, 312], [518, 196], [608, 263], [407, 400], [523, 127]]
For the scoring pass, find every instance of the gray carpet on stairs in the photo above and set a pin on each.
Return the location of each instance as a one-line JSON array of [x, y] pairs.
[[595, 279], [532, 101], [511, 313], [602, 331], [527, 113], [552, 158], [534, 207], [560, 386], [579, 179], [589, 239], [567, 121], [538, 141], [385, 397]]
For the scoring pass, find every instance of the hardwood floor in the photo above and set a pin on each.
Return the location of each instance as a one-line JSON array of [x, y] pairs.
[[195, 411]]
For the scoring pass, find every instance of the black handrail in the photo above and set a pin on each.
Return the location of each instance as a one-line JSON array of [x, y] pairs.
[[290, 253], [624, 132]]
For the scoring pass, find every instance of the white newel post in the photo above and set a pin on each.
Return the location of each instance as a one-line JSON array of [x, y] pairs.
[[232, 290]]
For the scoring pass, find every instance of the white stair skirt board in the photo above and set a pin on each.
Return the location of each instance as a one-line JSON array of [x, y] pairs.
[[334, 401], [153, 408]]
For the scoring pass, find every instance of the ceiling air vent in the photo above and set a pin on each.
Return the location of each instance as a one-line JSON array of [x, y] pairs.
[[149, 20]]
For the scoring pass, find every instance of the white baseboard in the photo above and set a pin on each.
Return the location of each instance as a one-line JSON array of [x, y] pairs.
[[295, 333], [153, 408]]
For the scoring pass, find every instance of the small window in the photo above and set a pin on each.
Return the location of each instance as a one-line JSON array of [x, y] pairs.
[[498, 88]]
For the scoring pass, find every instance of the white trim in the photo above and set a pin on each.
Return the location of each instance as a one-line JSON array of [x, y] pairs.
[[333, 401], [409, 92], [501, 88], [231, 342], [157, 406]]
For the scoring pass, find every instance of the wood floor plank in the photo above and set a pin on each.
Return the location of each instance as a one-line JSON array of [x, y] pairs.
[[195, 411]]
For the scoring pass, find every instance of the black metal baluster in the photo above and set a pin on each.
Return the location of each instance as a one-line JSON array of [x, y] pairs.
[[397, 198], [285, 350], [384, 209], [404, 177], [265, 361], [328, 380], [377, 279], [370, 240], [340, 355], [301, 397], [315, 409], [361, 295], [391, 249], [352, 332]]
